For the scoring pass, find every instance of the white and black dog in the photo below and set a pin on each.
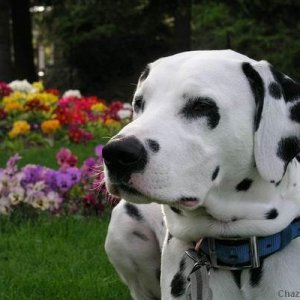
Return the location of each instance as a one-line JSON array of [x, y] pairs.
[[214, 139]]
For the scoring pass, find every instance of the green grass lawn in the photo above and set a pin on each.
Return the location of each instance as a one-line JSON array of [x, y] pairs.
[[56, 258]]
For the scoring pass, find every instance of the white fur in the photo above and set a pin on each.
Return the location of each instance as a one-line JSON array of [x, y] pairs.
[[189, 153]]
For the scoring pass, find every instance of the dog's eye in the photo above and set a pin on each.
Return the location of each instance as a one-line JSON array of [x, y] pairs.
[[199, 106], [196, 107], [138, 104], [202, 107]]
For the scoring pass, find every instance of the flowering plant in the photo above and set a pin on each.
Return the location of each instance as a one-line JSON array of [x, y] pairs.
[[67, 189], [34, 115]]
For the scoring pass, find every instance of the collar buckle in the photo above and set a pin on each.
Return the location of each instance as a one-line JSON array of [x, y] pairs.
[[254, 255]]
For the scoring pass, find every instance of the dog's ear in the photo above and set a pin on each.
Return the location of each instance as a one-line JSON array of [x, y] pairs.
[[277, 119]]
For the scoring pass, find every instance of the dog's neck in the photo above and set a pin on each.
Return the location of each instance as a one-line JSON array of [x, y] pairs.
[[255, 209]]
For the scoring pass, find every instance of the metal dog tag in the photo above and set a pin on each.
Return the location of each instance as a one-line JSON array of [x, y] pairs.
[[198, 287]]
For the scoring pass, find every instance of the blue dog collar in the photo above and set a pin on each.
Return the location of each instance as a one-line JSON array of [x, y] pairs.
[[240, 253]]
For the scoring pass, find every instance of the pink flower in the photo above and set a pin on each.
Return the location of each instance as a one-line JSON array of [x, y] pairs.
[[65, 158], [63, 155], [98, 151]]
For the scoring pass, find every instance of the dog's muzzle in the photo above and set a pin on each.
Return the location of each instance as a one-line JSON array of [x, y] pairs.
[[124, 156]]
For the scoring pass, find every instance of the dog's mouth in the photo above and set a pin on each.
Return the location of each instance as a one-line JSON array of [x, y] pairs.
[[189, 202], [122, 188], [129, 189]]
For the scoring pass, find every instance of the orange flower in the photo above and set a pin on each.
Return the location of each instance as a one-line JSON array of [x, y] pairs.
[[19, 128], [112, 123], [50, 126]]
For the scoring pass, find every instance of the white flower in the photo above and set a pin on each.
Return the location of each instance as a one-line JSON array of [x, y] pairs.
[[124, 114], [54, 200], [4, 206], [40, 202], [127, 106], [16, 195], [72, 93], [21, 86]]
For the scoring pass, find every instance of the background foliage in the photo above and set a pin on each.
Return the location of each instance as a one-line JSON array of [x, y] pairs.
[[100, 47], [260, 29]]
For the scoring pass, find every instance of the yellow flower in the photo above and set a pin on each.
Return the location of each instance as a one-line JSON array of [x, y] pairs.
[[50, 126], [14, 102], [44, 98], [38, 86], [112, 123], [19, 128], [99, 107], [12, 106]]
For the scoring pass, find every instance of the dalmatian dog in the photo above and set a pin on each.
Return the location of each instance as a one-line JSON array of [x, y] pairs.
[[214, 142]]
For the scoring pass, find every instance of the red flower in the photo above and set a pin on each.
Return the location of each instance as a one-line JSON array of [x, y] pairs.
[[36, 105], [79, 135], [55, 92], [5, 90], [90, 199], [2, 114], [72, 160]]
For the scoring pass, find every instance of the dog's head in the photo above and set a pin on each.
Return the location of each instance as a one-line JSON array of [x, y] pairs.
[[202, 120]]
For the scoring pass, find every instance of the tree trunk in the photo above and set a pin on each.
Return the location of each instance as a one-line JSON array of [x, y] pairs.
[[5, 53], [183, 25], [22, 40]]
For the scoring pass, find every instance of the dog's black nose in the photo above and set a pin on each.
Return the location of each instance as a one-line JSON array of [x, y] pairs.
[[124, 156]]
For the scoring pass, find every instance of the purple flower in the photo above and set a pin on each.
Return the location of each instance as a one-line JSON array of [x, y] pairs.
[[50, 179], [89, 163], [98, 151], [11, 167], [74, 174], [64, 181], [32, 174]]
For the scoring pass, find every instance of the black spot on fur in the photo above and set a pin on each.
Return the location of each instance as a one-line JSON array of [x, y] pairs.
[[275, 90], [178, 283], [139, 104], [140, 235], [133, 212], [182, 264], [290, 89], [258, 90], [202, 107], [170, 236], [157, 274], [272, 214], [256, 275], [288, 148], [176, 210], [154, 145], [295, 112], [237, 277], [215, 173], [144, 74], [244, 185]]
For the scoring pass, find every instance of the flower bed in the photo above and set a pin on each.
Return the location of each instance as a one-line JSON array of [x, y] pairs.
[[31, 115], [68, 189]]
